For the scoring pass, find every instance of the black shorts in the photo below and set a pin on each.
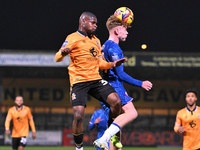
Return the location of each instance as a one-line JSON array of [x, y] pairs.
[[99, 89], [16, 142]]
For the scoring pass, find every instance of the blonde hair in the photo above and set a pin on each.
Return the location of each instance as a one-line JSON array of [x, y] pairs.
[[113, 22]]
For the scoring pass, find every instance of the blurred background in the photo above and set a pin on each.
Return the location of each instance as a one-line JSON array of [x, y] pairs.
[[31, 32]]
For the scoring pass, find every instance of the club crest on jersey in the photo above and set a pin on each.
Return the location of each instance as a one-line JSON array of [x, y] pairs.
[[98, 43], [65, 43], [73, 96]]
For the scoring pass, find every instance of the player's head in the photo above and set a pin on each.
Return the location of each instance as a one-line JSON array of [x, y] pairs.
[[19, 101], [117, 27], [88, 22], [191, 97]]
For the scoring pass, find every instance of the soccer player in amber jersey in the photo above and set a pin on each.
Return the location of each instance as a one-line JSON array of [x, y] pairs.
[[21, 117], [84, 49], [188, 122]]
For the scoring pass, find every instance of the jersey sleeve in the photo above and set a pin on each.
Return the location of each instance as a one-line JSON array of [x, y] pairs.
[[113, 55], [178, 122], [8, 119], [104, 64], [126, 78], [68, 43], [31, 122]]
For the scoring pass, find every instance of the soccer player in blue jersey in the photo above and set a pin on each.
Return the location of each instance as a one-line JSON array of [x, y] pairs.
[[116, 76], [100, 120]]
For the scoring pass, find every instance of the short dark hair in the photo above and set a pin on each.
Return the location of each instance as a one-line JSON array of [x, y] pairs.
[[190, 91]]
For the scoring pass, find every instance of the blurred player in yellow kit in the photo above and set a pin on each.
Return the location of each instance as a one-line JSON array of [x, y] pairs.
[[21, 117], [188, 122]]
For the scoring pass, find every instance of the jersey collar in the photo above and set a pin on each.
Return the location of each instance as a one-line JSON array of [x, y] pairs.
[[21, 107], [195, 109], [85, 34]]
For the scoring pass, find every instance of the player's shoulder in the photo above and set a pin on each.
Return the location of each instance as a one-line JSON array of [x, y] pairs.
[[111, 46], [95, 37], [110, 43], [12, 108], [74, 36], [183, 110], [26, 107]]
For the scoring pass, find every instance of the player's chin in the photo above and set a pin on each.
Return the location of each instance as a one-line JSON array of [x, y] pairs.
[[191, 103], [93, 31], [122, 39]]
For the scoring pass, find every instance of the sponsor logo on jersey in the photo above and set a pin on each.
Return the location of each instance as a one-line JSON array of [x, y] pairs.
[[115, 56]]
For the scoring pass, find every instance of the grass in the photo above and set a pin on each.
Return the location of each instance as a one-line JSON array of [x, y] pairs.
[[85, 148]]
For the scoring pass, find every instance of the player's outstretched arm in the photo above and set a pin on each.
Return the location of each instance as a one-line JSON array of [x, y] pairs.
[[61, 54], [107, 65], [147, 85], [118, 62]]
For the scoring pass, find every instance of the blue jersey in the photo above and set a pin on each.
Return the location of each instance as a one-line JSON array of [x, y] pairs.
[[102, 125], [116, 76]]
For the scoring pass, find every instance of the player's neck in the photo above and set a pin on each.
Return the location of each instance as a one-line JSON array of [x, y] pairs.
[[191, 108], [114, 39]]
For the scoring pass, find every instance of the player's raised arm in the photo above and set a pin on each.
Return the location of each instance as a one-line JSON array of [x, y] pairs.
[[61, 54], [107, 65], [118, 62]]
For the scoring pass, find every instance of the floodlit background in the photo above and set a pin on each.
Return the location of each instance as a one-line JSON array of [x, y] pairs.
[[31, 32]]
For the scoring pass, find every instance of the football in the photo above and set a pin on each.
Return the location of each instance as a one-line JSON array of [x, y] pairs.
[[125, 14]]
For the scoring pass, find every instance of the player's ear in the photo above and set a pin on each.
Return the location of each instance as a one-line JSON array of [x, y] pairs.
[[116, 31]]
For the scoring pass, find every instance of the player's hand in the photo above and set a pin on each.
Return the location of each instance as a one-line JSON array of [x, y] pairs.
[[118, 62], [33, 135], [147, 85], [181, 129], [7, 131], [97, 120], [65, 51]]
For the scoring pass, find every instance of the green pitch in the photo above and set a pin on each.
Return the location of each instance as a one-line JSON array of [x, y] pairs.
[[85, 148]]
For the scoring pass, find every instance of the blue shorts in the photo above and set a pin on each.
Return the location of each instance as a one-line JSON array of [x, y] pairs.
[[119, 88]]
